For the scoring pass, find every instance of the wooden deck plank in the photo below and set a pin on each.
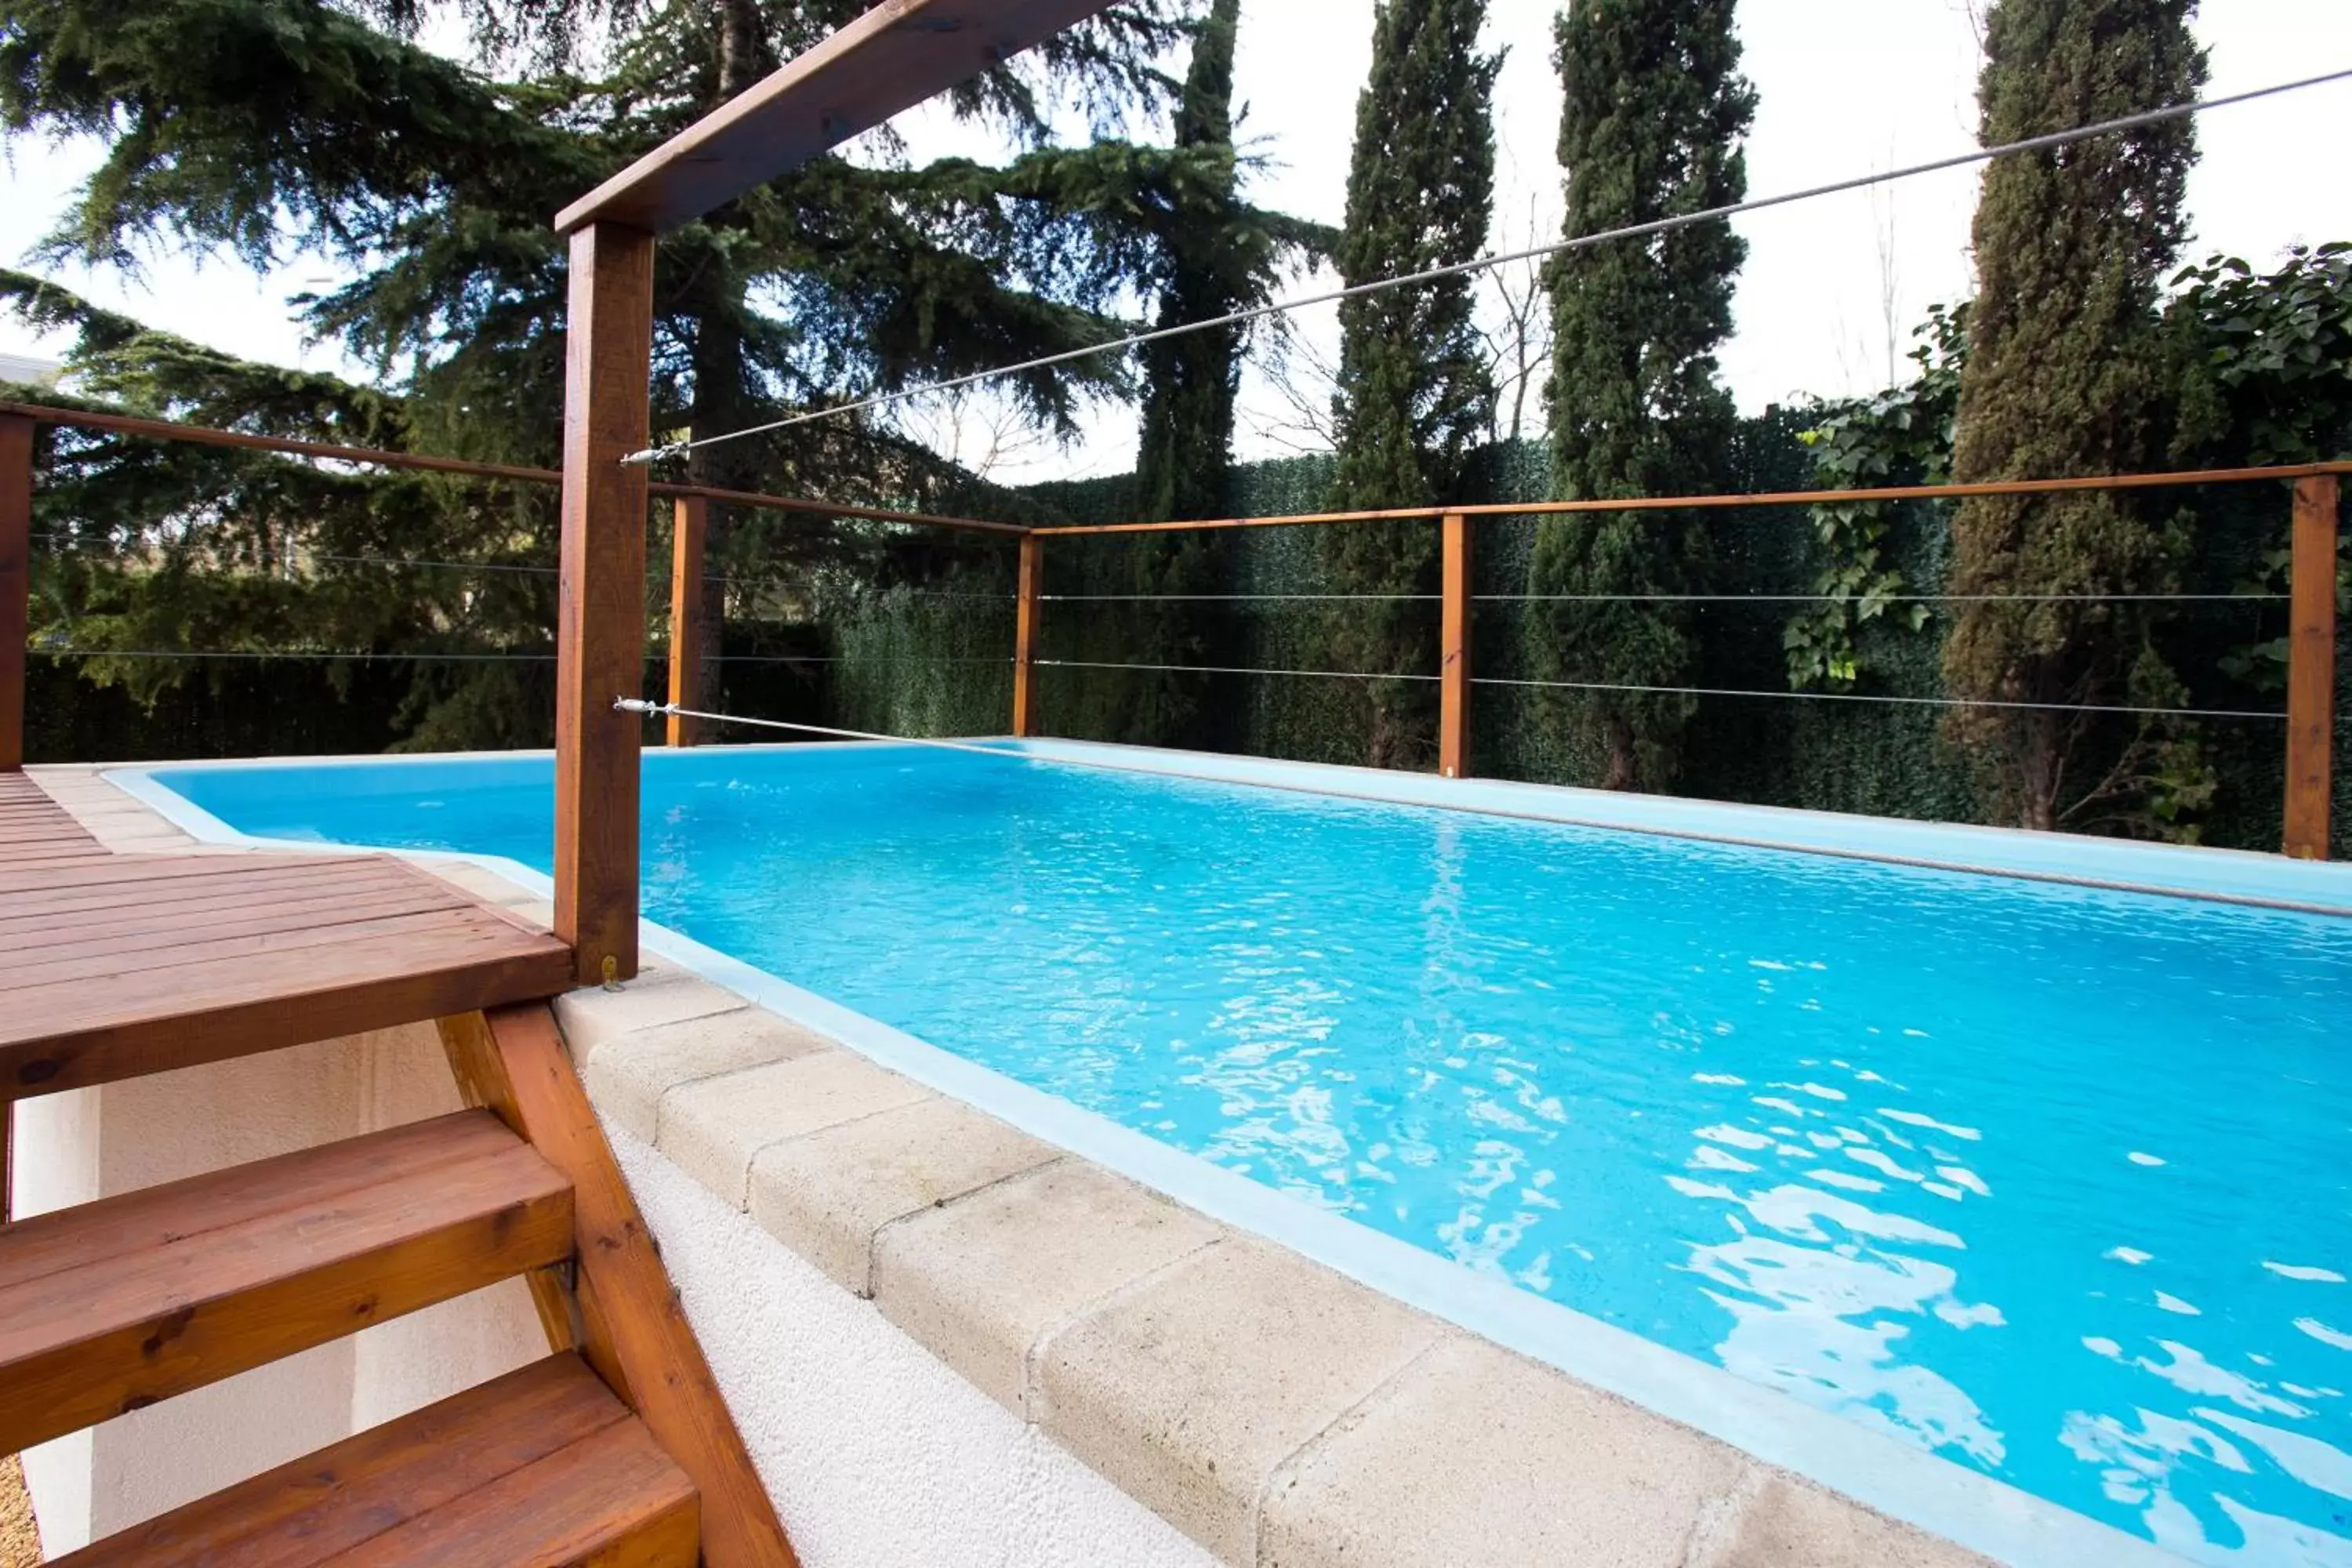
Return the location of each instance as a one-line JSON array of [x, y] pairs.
[[202, 949], [49, 850], [36, 829], [614, 1500], [128, 1328], [148, 870], [239, 876], [308, 1511], [225, 916], [141, 985], [130, 1222], [255, 1009], [264, 883], [127, 964]]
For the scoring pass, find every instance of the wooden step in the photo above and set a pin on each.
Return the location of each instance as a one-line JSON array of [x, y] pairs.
[[141, 963], [118, 1304], [541, 1469]]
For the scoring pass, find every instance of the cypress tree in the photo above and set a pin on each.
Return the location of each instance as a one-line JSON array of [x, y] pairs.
[[1184, 457], [2066, 377], [1655, 110], [1415, 391]]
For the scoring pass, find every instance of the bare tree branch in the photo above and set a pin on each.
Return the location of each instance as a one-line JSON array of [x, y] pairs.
[[984, 433], [1518, 329], [1305, 379]]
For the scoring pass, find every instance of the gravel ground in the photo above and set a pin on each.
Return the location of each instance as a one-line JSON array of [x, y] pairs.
[[20, 1542]]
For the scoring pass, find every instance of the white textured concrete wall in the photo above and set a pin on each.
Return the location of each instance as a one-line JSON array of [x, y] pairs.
[[91, 1143], [878, 1455]]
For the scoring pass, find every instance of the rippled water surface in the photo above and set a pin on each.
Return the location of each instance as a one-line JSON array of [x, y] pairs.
[[2052, 1183]]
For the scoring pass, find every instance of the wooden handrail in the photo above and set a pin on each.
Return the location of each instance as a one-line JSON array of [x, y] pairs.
[[207, 436], [1716, 503]]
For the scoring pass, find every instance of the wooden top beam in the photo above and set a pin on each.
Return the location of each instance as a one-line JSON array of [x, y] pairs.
[[891, 59]]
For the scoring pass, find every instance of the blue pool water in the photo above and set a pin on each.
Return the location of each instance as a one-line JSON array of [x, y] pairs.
[[2050, 1182]]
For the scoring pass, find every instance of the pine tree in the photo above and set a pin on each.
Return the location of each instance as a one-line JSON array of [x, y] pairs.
[[1216, 258], [269, 128], [1656, 111], [1191, 383], [1415, 391], [2066, 376]]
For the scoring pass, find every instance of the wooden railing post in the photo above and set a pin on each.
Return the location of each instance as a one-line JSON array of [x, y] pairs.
[[2311, 671], [15, 582], [685, 581], [601, 622], [1453, 663], [1025, 636]]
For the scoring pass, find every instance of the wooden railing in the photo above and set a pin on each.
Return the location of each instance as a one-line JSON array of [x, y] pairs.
[[606, 862], [690, 573], [2311, 681]]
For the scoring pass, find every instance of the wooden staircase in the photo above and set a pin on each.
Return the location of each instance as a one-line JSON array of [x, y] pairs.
[[615, 1450]]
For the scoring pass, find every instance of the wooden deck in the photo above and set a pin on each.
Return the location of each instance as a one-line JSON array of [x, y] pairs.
[[36, 830], [125, 964]]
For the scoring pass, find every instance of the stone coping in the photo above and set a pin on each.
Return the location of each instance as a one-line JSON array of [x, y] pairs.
[[1276, 1411]]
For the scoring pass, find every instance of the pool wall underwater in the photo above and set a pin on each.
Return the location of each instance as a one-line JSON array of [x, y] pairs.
[[1944, 1497]]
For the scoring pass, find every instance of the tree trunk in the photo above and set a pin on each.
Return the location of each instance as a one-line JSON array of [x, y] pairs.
[[2043, 760], [1621, 771], [722, 399]]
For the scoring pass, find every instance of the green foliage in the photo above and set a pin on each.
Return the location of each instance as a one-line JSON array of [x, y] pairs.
[[1414, 389], [1902, 437], [2266, 377], [268, 128], [1213, 256], [2265, 358], [2067, 374], [148, 546], [274, 127], [1656, 111], [1190, 382]]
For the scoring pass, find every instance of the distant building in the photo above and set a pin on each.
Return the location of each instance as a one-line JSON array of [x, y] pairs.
[[24, 372]]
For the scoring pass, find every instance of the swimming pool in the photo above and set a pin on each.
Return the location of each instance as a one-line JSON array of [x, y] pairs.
[[2045, 1179]]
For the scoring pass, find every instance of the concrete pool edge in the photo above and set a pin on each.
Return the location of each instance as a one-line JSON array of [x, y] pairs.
[[1931, 1493]]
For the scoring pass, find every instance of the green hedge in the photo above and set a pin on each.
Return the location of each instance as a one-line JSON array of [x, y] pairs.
[[1882, 759]]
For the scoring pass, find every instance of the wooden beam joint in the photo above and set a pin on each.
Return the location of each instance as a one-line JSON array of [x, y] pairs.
[[891, 59]]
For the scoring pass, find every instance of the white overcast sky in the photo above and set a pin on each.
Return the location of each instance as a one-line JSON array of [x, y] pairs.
[[1845, 87]]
